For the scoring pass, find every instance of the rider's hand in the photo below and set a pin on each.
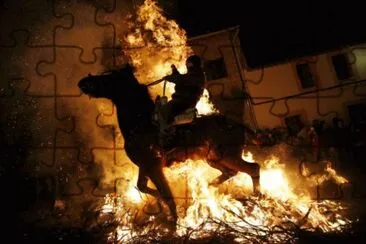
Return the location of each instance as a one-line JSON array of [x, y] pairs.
[[171, 78], [168, 77], [174, 70]]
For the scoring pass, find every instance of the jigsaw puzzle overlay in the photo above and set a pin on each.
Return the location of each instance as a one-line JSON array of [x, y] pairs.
[[72, 146]]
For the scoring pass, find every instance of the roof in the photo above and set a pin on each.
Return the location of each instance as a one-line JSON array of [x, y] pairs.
[[210, 34], [265, 58]]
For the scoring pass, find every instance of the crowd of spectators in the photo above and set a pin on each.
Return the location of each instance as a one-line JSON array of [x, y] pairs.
[[336, 141]]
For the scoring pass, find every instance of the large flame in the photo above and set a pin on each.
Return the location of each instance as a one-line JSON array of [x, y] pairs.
[[231, 207], [153, 43]]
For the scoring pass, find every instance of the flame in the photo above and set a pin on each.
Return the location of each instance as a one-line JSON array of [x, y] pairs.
[[218, 208], [153, 44], [318, 179], [205, 106]]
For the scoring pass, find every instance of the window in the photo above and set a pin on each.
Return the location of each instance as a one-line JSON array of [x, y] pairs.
[[305, 76], [341, 67], [294, 124], [215, 69], [357, 112]]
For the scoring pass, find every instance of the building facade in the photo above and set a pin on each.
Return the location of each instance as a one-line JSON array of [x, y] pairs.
[[320, 86], [224, 72]]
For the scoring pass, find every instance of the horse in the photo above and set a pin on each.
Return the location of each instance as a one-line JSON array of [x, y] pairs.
[[214, 138]]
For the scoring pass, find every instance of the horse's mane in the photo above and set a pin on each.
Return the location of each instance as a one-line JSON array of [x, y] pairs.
[[146, 93], [142, 89]]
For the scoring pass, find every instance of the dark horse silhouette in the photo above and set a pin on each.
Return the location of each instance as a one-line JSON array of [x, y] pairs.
[[214, 138]]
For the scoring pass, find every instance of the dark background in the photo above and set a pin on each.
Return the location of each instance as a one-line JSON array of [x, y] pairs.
[[273, 31]]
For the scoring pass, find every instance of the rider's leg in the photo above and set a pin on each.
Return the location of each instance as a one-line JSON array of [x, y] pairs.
[[176, 107]]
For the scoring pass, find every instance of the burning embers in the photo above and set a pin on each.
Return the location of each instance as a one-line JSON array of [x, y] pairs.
[[225, 211]]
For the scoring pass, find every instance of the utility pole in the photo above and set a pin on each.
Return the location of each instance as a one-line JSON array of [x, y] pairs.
[[247, 101]]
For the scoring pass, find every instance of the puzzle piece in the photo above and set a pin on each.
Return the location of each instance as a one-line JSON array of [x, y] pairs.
[[113, 15], [67, 69], [77, 173], [21, 60], [85, 31], [86, 133], [109, 120], [36, 19], [39, 115]]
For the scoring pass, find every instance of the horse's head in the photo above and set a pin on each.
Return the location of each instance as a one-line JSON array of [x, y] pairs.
[[111, 84]]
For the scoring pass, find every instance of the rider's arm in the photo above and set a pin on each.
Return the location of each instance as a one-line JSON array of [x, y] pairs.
[[155, 82], [175, 76], [191, 80], [171, 78]]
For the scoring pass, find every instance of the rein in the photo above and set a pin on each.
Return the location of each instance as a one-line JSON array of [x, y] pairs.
[[157, 82]]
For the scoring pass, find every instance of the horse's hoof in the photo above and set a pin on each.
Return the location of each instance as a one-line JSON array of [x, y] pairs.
[[171, 225]]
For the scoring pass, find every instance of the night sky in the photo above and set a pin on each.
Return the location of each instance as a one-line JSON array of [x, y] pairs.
[[272, 32]]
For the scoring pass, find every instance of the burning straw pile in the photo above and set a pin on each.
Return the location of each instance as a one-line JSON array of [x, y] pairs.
[[229, 212]]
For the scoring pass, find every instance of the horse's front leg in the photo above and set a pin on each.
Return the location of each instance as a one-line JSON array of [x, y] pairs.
[[158, 178], [142, 185], [222, 178]]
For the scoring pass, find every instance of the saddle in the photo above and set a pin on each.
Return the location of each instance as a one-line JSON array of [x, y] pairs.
[[187, 117], [167, 131]]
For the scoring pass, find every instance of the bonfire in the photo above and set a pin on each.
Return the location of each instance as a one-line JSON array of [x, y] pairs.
[[229, 211]]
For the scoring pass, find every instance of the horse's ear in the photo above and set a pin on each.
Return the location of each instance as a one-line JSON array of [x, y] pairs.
[[129, 67]]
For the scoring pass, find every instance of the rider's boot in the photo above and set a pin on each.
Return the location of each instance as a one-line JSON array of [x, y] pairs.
[[166, 134]]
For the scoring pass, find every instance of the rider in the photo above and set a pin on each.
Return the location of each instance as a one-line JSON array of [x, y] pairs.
[[188, 88]]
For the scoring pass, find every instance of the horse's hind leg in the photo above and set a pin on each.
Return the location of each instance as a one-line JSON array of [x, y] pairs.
[[239, 165], [158, 178], [225, 172], [225, 175], [142, 185]]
